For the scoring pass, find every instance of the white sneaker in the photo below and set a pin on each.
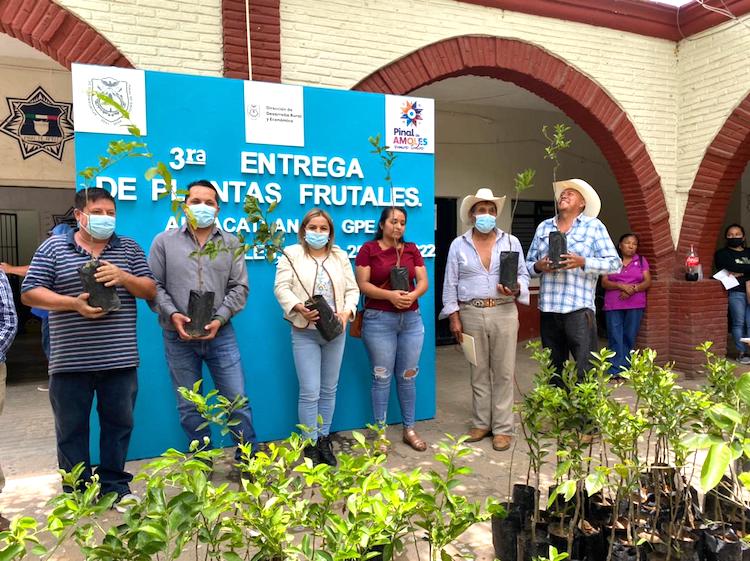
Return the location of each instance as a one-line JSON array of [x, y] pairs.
[[125, 501]]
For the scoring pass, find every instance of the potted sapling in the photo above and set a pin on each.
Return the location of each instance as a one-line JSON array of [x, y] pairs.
[[100, 295], [523, 181], [557, 240], [399, 276]]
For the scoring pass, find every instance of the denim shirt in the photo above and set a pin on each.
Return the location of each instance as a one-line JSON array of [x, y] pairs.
[[466, 277]]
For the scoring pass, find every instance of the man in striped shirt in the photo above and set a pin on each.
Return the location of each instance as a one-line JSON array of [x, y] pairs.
[[91, 351], [566, 291], [8, 327]]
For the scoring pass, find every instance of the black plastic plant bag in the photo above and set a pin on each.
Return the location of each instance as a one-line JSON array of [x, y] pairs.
[[505, 534], [721, 543], [509, 269], [399, 279], [328, 324], [200, 311], [100, 296], [558, 245]]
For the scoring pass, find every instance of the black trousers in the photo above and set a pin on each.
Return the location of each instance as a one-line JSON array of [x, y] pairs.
[[568, 334]]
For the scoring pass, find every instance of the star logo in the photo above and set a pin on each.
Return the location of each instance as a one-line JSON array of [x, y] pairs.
[[39, 124], [411, 113]]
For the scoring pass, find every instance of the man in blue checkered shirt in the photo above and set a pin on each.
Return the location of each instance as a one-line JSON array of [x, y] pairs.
[[566, 291], [8, 327]]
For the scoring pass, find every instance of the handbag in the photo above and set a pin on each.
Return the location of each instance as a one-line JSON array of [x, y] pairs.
[[355, 328]]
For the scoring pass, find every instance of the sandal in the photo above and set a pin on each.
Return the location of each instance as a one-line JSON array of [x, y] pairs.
[[412, 439]]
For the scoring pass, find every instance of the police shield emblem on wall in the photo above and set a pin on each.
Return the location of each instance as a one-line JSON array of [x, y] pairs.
[[125, 86]]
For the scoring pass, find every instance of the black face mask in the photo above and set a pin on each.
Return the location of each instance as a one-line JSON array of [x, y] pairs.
[[735, 242]]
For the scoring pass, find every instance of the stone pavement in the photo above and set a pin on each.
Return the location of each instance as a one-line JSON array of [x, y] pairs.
[[27, 448]]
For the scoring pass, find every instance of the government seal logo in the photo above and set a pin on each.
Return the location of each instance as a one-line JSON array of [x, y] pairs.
[[118, 90]]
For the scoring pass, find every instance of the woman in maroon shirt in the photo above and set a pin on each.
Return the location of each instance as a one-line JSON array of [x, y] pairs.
[[392, 327]]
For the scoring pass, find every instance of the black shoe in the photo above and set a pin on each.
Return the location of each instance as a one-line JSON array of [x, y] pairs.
[[325, 450], [313, 452], [235, 475]]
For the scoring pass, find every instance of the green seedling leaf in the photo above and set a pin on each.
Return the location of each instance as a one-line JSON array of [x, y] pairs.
[[743, 387], [716, 464]]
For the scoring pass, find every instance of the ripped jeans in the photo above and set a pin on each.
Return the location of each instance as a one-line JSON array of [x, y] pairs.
[[394, 343]]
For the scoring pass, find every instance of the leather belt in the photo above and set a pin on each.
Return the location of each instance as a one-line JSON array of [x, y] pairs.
[[488, 302]]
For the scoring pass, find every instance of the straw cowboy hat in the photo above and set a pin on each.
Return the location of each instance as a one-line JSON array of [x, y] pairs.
[[483, 194], [593, 202]]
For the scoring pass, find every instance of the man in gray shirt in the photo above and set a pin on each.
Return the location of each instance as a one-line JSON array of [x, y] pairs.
[[178, 271]]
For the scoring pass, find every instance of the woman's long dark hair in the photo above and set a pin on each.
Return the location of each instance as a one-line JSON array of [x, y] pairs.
[[385, 215]]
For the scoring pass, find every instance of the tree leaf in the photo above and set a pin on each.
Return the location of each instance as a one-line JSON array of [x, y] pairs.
[[743, 387], [716, 464]]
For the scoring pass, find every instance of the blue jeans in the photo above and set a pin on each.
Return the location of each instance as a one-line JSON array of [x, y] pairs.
[[394, 343], [71, 395], [622, 329], [222, 356], [739, 316], [318, 363]]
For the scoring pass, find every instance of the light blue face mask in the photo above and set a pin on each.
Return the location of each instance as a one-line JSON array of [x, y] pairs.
[[485, 223], [316, 240], [204, 215], [100, 227]]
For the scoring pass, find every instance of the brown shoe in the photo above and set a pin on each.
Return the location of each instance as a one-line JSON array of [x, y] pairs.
[[4, 523], [412, 439], [501, 442], [475, 434]]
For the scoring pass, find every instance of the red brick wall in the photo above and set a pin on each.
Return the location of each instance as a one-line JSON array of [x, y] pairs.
[[57, 33], [265, 39]]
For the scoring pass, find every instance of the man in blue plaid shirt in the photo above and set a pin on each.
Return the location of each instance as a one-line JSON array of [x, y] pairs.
[[8, 327], [566, 291]]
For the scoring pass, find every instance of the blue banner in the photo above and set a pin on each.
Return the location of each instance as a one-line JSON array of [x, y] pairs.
[[300, 146]]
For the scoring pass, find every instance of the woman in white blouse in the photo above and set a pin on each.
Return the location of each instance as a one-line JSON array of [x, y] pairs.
[[315, 267]]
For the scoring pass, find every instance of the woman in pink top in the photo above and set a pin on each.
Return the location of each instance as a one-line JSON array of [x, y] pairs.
[[625, 301]]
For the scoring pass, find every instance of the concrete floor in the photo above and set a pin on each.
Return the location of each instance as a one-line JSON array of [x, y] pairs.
[[27, 448]]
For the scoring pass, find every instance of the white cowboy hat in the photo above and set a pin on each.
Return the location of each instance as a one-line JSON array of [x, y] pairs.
[[483, 194], [593, 202]]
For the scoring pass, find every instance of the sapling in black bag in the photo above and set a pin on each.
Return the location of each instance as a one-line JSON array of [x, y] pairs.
[[100, 296], [328, 324], [399, 276], [509, 268], [558, 246]]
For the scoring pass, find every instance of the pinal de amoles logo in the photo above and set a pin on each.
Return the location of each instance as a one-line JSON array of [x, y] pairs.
[[411, 113], [118, 90], [39, 124], [405, 135]]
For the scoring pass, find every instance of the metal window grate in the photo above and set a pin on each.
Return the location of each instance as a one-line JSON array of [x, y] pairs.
[[9, 238]]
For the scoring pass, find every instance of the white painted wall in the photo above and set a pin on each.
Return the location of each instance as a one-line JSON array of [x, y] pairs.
[[480, 146], [170, 35]]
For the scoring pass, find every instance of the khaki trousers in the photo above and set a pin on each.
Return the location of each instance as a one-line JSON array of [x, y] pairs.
[[495, 332], [3, 375]]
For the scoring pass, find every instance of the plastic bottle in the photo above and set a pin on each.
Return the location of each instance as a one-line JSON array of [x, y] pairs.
[[692, 265]]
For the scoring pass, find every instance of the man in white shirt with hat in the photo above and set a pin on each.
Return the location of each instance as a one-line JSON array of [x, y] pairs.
[[479, 306], [566, 290]]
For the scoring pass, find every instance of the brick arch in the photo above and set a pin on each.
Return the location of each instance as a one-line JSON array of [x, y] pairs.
[[584, 101], [58, 33], [722, 166], [565, 87]]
